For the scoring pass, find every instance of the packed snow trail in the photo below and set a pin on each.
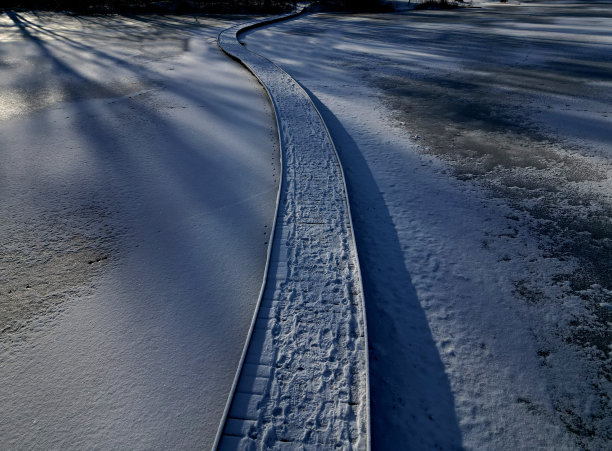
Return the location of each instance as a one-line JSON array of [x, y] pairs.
[[303, 378]]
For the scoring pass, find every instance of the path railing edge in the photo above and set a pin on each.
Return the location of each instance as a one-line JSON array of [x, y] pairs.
[[239, 29]]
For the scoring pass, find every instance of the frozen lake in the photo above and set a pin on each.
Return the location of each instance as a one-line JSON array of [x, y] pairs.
[[138, 181]]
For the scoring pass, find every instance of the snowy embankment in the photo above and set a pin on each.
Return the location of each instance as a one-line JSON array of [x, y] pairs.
[[477, 152], [138, 186], [303, 381]]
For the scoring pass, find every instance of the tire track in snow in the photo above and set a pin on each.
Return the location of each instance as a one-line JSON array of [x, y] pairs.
[[303, 377]]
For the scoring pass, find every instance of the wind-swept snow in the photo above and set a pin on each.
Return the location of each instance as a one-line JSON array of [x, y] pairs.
[[138, 174]]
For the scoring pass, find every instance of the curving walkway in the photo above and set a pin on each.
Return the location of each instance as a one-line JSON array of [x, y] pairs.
[[303, 378]]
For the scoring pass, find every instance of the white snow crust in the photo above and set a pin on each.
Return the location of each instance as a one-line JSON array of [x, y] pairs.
[[138, 174]]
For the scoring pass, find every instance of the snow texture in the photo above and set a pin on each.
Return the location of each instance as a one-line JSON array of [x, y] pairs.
[[304, 379], [477, 338], [138, 186]]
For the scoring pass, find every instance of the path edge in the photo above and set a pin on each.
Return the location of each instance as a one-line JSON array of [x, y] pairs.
[[241, 28]]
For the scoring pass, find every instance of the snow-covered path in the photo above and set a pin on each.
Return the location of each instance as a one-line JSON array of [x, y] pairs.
[[476, 235], [137, 188], [304, 378]]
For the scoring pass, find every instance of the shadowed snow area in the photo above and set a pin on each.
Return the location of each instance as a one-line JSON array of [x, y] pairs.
[[138, 180], [476, 145]]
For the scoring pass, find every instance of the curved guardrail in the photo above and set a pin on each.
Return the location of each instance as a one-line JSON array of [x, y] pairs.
[[303, 377]]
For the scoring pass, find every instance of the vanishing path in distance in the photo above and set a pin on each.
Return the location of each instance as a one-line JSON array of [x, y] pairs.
[[304, 376]]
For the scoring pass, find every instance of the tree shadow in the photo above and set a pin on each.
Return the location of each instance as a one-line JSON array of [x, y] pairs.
[[174, 165]]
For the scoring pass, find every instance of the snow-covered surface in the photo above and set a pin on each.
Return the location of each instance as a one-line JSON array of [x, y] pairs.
[[138, 180], [482, 213], [304, 381]]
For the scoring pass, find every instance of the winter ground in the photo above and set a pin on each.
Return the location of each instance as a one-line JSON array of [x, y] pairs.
[[304, 378], [477, 150], [137, 187]]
